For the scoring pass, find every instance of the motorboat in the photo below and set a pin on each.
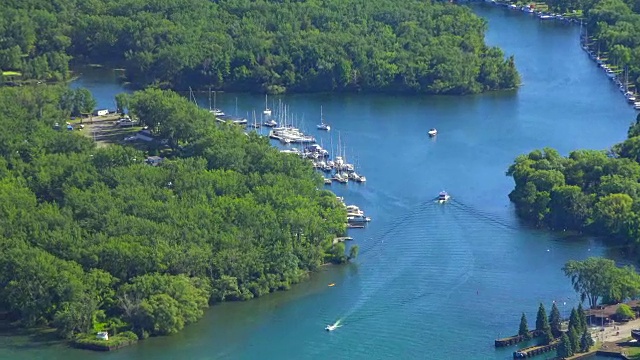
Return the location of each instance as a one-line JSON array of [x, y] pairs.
[[331, 327], [432, 132], [271, 123], [443, 197], [358, 219], [635, 333]]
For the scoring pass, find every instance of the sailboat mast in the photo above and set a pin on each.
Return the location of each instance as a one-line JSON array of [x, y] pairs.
[[209, 98]]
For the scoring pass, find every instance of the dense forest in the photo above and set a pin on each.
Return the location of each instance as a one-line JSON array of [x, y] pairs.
[[613, 29], [96, 239], [410, 46], [590, 190]]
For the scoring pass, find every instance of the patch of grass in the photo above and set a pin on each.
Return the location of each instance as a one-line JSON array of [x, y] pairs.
[[11, 73]]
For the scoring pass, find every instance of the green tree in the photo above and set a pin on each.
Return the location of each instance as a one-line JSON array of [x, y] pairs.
[[541, 319], [564, 348], [586, 341], [524, 327], [353, 252], [122, 102], [547, 336], [625, 312], [555, 321], [574, 339]]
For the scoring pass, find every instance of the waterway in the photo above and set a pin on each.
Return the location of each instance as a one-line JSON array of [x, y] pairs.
[[432, 281]]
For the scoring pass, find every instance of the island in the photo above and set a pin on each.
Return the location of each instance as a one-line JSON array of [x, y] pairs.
[[413, 46], [111, 242]]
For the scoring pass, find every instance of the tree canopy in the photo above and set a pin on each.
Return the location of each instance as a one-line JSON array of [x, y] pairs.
[[597, 279], [589, 191], [89, 234], [265, 45]]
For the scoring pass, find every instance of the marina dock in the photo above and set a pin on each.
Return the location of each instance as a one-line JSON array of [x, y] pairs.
[[535, 350], [516, 339]]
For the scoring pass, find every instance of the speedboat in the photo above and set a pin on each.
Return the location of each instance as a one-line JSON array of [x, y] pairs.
[[331, 327], [271, 123], [433, 132], [443, 197], [324, 126]]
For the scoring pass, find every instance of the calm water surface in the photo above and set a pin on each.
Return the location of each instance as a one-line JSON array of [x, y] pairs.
[[431, 281]]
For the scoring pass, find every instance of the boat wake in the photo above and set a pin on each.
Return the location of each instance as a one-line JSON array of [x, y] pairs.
[[483, 216]]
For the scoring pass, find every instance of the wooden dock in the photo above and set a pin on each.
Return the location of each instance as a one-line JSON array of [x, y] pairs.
[[341, 239], [512, 340], [534, 350]]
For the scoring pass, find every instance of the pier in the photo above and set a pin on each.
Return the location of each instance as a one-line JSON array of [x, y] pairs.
[[534, 350], [512, 340], [341, 239]]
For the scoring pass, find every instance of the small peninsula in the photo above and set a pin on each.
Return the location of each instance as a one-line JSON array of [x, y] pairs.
[[100, 240], [270, 46], [593, 191]]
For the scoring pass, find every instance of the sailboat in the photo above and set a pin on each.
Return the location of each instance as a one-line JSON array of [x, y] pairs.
[[215, 111], [267, 111], [322, 125]]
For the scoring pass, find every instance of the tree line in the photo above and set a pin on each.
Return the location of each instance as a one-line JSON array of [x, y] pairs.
[[613, 28], [265, 45], [94, 239], [575, 339], [590, 191]]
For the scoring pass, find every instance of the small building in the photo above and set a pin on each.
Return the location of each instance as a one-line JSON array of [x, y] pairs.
[[101, 112], [103, 335], [154, 160], [605, 315]]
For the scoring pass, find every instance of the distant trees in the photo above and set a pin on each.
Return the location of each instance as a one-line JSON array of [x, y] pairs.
[[411, 47]]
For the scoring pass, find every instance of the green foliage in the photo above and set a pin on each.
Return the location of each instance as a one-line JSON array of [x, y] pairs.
[[353, 252], [574, 339], [625, 312], [265, 45], [547, 336], [564, 348], [586, 341], [89, 341], [541, 319], [588, 191], [94, 239], [599, 278], [77, 102], [555, 321], [523, 330]]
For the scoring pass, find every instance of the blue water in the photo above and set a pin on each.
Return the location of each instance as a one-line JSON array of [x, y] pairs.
[[432, 281]]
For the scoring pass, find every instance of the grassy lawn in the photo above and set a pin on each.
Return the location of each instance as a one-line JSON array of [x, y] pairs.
[[633, 352]]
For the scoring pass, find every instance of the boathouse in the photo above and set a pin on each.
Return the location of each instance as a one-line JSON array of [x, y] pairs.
[[604, 315]]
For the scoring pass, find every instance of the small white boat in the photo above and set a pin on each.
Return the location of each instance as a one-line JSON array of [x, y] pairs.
[[432, 132], [443, 197], [331, 327]]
